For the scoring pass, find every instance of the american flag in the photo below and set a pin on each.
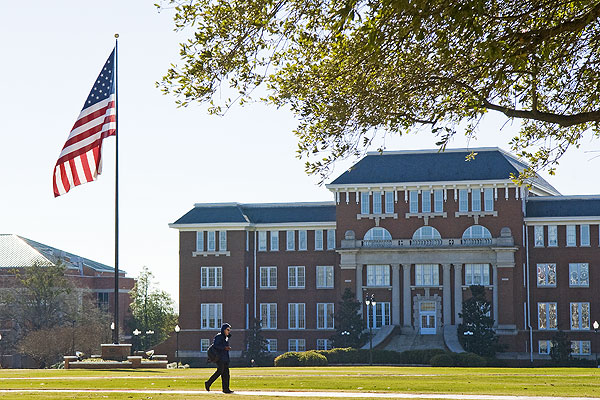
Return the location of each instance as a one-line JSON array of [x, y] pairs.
[[80, 159]]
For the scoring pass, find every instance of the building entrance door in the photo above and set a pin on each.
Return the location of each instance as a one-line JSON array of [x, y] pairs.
[[427, 316]]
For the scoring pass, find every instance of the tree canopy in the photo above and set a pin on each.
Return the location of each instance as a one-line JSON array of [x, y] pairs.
[[358, 69], [152, 312]]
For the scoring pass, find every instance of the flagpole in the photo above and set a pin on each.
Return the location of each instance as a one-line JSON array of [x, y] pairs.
[[116, 301]]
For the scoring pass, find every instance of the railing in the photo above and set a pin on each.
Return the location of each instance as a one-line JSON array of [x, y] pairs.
[[381, 244]]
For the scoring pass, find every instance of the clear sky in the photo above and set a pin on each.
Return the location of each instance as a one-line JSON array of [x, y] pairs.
[[169, 157]]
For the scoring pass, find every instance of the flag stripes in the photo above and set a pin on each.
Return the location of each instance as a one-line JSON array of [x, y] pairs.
[[80, 160]]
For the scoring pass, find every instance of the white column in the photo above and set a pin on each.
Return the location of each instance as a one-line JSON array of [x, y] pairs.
[[447, 296], [406, 296], [457, 293], [495, 294], [396, 294], [359, 284]]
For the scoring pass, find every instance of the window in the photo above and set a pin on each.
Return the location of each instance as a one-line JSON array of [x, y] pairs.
[[247, 241], [268, 277], [211, 277], [200, 241], [580, 316], [581, 347], [222, 240], [546, 275], [414, 201], [438, 200], [262, 241], [538, 234], [291, 239], [211, 241], [330, 239], [426, 201], [204, 345], [296, 345], [324, 315], [377, 203], [271, 345], [274, 240], [102, 300], [544, 346], [389, 202], [547, 318], [324, 344], [488, 199], [477, 232], [463, 200], [571, 239], [476, 200], [426, 232], [247, 277], [579, 275], [268, 315], [477, 274], [296, 277], [302, 240], [378, 275], [378, 234], [552, 236], [211, 315], [324, 276], [382, 315], [296, 316], [427, 275], [319, 239], [584, 237], [364, 202]]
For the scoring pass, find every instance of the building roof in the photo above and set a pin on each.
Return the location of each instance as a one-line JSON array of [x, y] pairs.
[[563, 206], [17, 252], [399, 167], [266, 213]]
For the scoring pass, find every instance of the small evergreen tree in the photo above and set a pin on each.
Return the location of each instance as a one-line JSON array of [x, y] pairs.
[[560, 349], [348, 319], [256, 344], [476, 333]]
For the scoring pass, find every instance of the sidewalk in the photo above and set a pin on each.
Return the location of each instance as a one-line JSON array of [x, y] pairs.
[[333, 395]]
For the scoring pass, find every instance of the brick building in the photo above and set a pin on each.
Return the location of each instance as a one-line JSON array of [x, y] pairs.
[[89, 277], [413, 228]]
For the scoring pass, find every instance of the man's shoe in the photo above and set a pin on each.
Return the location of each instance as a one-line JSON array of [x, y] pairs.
[[207, 386], [227, 391]]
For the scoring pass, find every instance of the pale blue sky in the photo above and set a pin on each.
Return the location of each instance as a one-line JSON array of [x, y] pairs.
[[170, 158]]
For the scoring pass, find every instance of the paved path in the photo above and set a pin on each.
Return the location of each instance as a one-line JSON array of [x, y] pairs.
[[344, 395]]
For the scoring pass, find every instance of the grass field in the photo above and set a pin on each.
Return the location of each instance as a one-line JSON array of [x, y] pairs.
[[563, 382]]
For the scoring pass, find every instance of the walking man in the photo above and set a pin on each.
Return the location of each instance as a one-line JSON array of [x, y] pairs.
[[221, 343]]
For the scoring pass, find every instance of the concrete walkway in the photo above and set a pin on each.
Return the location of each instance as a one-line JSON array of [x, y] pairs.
[[343, 395]]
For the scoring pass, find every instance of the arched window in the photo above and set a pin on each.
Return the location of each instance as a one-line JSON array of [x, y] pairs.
[[426, 232], [477, 232], [378, 234]]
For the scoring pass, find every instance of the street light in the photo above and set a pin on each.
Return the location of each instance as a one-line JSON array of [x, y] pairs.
[[370, 300], [136, 334], [596, 325], [467, 334], [345, 335], [177, 329], [112, 329]]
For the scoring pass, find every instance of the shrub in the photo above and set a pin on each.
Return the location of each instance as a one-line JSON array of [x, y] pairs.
[[419, 356], [312, 359], [442, 360], [289, 359], [469, 360]]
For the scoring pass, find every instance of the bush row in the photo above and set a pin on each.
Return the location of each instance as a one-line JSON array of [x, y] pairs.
[[355, 356]]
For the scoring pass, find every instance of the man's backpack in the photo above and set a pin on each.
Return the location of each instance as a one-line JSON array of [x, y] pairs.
[[212, 353]]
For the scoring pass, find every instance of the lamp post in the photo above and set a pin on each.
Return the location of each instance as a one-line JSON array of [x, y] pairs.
[[345, 335], [177, 329], [370, 300], [136, 334], [73, 337], [596, 325]]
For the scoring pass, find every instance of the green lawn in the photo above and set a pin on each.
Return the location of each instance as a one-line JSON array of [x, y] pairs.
[[497, 381]]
